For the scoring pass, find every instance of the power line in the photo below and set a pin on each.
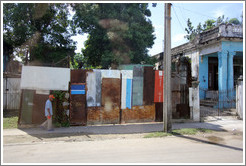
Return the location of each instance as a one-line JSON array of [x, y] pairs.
[[179, 21], [197, 13]]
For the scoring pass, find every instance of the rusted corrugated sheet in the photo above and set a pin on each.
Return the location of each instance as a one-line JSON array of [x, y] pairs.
[[26, 107], [148, 86], [158, 86], [93, 82], [78, 76], [38, 115], [77, 108], [110, 92], [137, 86], [139, 114], [102, 115]]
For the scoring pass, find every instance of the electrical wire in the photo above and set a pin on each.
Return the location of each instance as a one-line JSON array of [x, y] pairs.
[[179, 21], [197, 12]]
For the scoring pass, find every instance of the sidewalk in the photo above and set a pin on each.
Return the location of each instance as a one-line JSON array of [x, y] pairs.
[[224, 123]]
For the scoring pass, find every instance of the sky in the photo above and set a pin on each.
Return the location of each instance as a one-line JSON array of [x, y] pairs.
[[180, 12]]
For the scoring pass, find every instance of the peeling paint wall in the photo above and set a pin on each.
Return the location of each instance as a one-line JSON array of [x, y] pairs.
[[94, 82], [126, 89]]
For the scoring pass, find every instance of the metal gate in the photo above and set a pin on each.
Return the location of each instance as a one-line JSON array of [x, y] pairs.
[[11, 93], [78, 114], [217, 103]]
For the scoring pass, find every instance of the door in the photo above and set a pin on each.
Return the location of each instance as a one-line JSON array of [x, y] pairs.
[[78, 114], [213, 73]]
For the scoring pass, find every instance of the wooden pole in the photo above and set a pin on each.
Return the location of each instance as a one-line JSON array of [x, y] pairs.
[[167, 95]]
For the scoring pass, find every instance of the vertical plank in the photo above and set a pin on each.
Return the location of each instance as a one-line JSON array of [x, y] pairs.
[[148, 85]]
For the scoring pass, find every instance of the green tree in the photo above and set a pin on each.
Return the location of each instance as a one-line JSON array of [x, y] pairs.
[[119, 33], [208, 24], [38, 31], [234, 21]]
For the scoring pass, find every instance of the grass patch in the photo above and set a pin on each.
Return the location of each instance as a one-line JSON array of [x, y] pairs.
[[184, 131], [10, 122]]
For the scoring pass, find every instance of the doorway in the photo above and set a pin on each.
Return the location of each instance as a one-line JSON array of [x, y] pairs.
[[213, 73]]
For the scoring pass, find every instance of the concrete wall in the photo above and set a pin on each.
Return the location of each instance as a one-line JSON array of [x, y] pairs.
[[239, 99], [194, 55]]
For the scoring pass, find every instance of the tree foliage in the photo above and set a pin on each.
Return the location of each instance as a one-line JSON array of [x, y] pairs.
[[39, 31], [208, 24], [119, 33]]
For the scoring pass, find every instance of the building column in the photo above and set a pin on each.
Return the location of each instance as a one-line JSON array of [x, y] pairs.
[[222, 80], [230, 75]]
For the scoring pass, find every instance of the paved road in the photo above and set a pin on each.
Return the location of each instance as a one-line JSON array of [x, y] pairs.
[[219, 148], [153, 150]]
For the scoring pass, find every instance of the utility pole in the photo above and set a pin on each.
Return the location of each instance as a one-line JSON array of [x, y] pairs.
[[167, 95]]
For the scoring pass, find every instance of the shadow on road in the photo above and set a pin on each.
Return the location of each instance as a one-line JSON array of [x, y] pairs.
[[207, 142]]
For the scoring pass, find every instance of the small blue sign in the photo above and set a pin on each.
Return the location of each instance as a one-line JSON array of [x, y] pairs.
[[77, 89]]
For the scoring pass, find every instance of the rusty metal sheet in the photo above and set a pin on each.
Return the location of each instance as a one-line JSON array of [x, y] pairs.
[[148, 86], [77, 108], [38, 115], [110, 92], [102, 115], [93, 95], [78, 76], [26, 106], [139, 114], [158, 96]]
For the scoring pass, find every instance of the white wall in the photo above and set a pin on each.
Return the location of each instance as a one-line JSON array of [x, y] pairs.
[[45, 78]]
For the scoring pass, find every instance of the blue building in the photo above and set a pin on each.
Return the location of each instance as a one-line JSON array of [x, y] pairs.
[[216, 62]]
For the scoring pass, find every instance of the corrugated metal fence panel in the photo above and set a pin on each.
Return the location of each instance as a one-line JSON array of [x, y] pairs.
[[94, 82], [78, 76], [78, 114], [149, 85], [38, 111], [137, 87], [126, 89], [11, 93], [158, 86], [27, 106], [45, 78], [110, 92]]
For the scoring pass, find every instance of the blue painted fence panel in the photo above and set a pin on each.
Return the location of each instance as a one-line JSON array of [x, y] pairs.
[[129, 93]]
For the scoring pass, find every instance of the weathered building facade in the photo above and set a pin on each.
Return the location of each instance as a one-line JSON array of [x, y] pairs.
[[216, 62]]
